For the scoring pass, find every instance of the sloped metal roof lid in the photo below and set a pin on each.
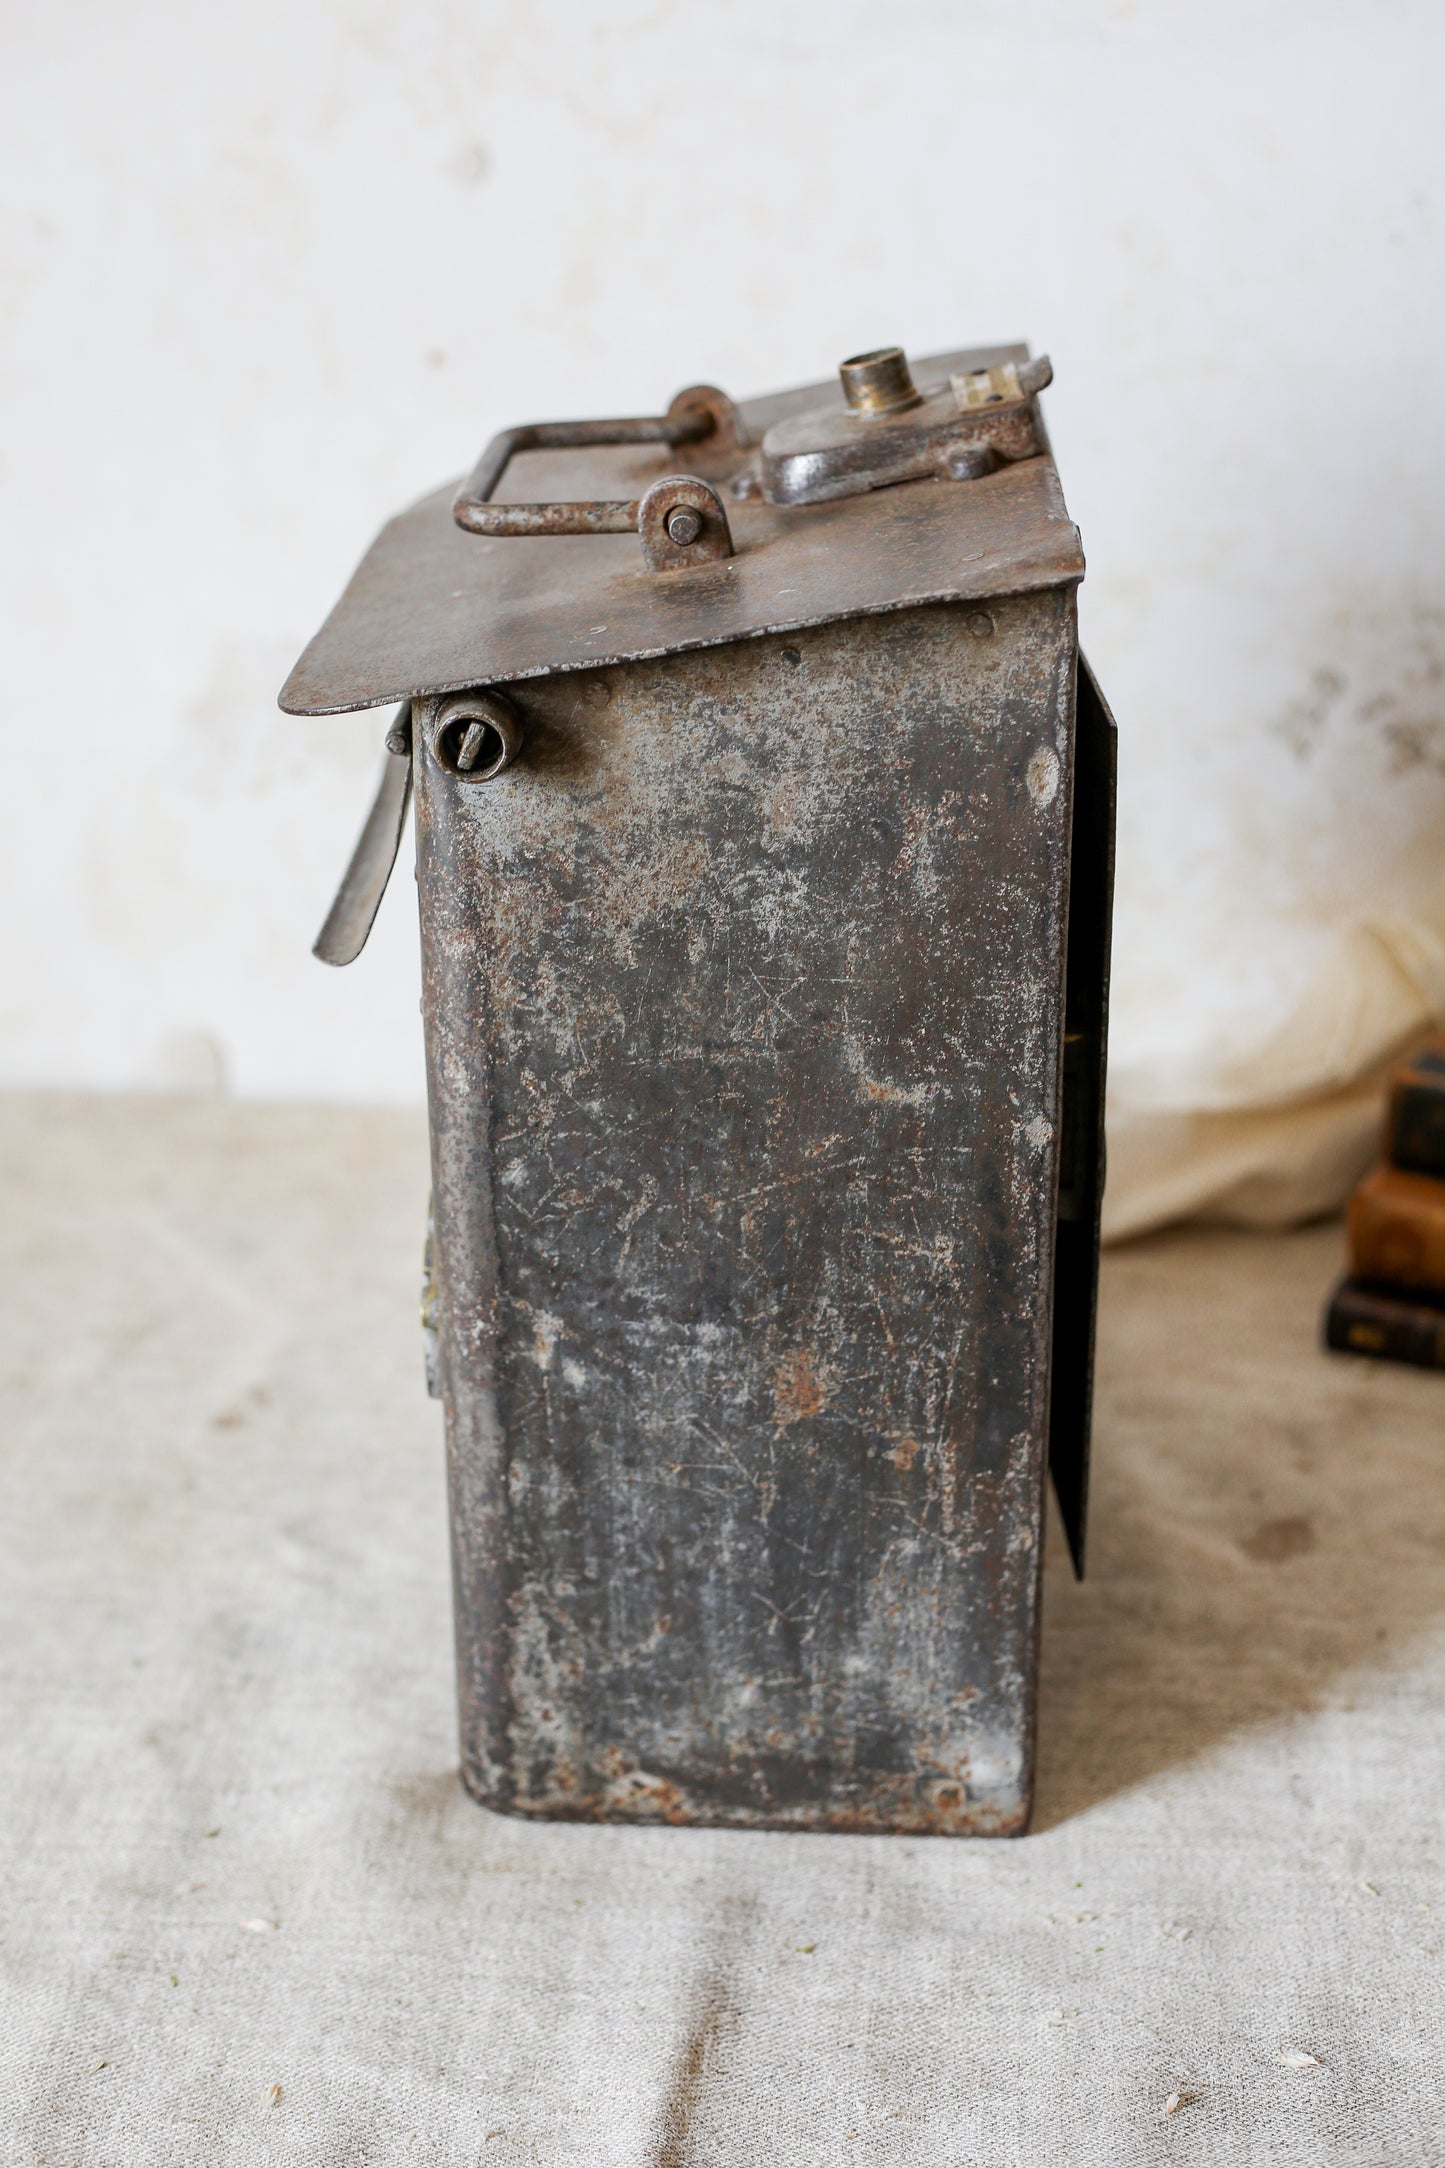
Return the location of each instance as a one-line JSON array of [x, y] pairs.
[[431, 609]]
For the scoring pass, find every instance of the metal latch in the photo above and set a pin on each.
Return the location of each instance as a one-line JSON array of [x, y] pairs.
[[350, 919], [889, 431]]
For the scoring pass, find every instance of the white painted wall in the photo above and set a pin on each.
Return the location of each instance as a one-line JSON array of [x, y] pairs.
[[270, 271]]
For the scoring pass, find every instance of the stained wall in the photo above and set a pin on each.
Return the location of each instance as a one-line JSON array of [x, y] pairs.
[[269, 272]]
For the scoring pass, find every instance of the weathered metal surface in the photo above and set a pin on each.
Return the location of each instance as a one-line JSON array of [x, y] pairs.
[[358, 899], [765, 999], [744, 997], [432, 610]]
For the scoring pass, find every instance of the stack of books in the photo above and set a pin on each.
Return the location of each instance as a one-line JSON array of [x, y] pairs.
[[1393, 1303]]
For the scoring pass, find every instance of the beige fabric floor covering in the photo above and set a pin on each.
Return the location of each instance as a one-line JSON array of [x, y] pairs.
[[235, 1854], [1273, 1124]]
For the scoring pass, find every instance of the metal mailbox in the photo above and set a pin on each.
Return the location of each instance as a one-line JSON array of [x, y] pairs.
[[764, 846]]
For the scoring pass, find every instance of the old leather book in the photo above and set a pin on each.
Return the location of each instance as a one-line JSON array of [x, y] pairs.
[[1415, 1125], [1397, 1229], [1365, 1319]]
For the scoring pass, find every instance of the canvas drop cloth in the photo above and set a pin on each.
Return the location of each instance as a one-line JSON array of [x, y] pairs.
[[1274, 1122], [234, 1855]]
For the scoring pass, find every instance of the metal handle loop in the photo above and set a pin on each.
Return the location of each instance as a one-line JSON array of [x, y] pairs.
[[700, 415]]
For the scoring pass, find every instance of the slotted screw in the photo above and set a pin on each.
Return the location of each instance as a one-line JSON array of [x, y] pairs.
[[470, 750]]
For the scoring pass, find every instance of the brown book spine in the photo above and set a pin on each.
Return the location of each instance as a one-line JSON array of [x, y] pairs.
[[1366, 1320], [1415, 1126], [1397, 1229]]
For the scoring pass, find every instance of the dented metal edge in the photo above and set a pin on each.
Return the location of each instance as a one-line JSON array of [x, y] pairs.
[[981, 591]]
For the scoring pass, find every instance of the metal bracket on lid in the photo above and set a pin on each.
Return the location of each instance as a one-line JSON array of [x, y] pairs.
[[888, 430]]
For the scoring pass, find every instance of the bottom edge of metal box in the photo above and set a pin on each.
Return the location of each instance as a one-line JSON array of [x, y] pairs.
[[640, 1801]]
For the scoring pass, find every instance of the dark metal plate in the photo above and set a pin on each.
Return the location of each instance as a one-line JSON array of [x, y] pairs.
[[1081, 1172]]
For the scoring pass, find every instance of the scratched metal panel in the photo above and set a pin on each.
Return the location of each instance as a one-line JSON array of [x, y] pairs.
[[744, 993]]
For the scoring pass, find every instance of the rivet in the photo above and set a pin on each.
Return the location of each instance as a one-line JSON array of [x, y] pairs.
[[980, 624], [684, 525]]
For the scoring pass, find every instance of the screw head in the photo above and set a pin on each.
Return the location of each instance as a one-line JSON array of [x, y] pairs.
[[474, 739], [476, 735], [684, 525]]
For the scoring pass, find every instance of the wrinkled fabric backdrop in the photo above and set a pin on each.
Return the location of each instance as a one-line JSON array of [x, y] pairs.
[[269, 274]]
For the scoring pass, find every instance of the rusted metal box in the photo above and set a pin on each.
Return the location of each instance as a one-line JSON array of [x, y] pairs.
[[764, 844]]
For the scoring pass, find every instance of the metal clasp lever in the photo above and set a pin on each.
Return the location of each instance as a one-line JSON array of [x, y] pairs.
[[351, 917], [680, 521]]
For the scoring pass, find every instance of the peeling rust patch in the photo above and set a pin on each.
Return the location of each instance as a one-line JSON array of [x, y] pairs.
[[798, 1392]]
